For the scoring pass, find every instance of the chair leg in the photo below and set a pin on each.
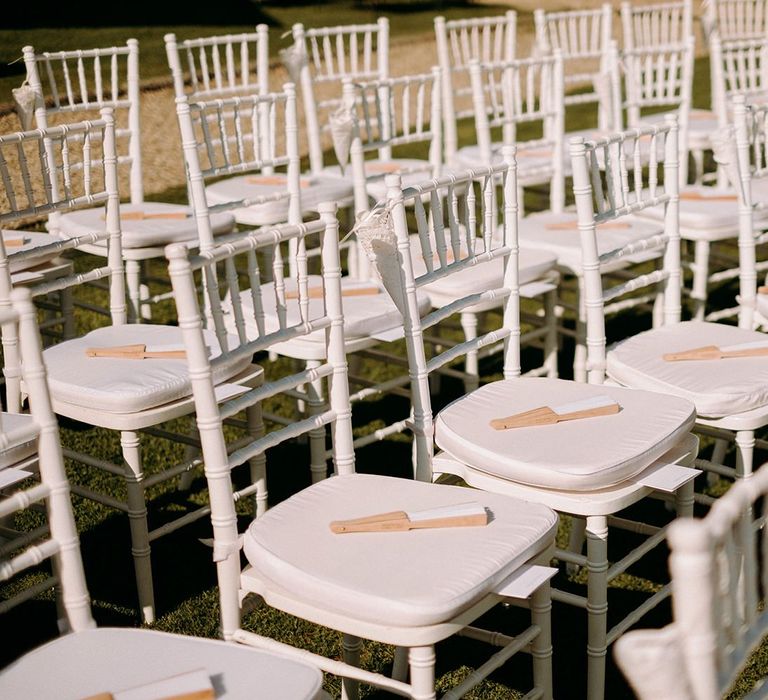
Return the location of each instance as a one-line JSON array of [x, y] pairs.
[[576, 541], [67, 313], [422, 663], [745, 449], [541, 647], [137, 518], [317, 465], [700, 279], [580, 351], [145, 309], [471, 366], [132, 277], [597, 604], [718, 457], [550, 339], [684, 500], [258, 464], [400, 666], [350, 688]]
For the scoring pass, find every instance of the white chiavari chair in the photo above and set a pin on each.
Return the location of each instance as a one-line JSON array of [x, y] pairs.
[[536, 266], [522, 94], [73, 166], [669, 24], [731, 395], [74, 85], [488, 39], [718, 568], [409, 589], [319, 59], [220, 138], [86, 661], [573, 467], [709, 216], [220, 66], [590, 61]]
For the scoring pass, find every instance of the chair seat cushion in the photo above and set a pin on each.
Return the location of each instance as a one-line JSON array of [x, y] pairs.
[[125, 386], [557, 234], [533, 164], [717, 387], [533, 264], [708, 213], [314, 189], [24, 241], [151, 231], [363, 315], [701, 123], [91, 662], [18, 448], [581, 455], [414, 578]]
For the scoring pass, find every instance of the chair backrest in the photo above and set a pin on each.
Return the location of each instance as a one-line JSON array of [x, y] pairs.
[[54, 170], [456, 220], [58, 541], [322, 58], [260, 254], [74, 85], [738, 67], [238, 136], [584, 39], [488, 39], [660, 24], [660, 76], [220, 66], [719, 573], [750, 125], [521, 94], [632, 183], [393, 112], [736, 19]]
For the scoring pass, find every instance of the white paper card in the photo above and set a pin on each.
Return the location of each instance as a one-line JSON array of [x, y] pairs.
[[525, 581], [456, 511], [584, 404], [667, 477], [224, 392], [11, 476], [184, 684]]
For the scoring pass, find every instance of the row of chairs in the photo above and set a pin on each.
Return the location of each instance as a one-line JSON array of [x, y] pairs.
[[250, 111], [359, 587]]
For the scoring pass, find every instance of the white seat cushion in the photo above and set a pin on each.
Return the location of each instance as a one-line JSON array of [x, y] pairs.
[[142, 233], [415, 578], [363, 315], [125, 386], [580, 455], [24, 241], [701, 123], [314, 189], [17, 449], [530, 161], [533, 264], [708, 213], [84, 664], [717, 387], [411, 171], [557, 233]]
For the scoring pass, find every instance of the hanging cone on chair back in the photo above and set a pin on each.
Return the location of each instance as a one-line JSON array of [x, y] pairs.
[[24, 97], [724, 151], [342, 123], [376, 236], [293, 59]]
